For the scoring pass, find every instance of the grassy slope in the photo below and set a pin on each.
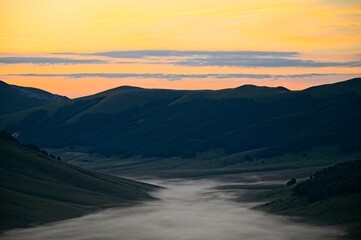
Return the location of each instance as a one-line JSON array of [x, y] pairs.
[[37, 189], [187, 123], [339, 208], [342, 210], [279, 168], [15, 98], [102, 130]]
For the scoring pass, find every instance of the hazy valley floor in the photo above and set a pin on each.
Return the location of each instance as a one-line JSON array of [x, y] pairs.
[[187, 210]]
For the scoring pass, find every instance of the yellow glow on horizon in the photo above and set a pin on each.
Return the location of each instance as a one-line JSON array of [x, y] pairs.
[[320, 30], [95, 25]]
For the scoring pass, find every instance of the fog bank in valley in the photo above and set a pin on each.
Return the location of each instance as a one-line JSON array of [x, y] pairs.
[[187, 210]]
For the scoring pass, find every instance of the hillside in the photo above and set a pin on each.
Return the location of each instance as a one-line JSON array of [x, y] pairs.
[[130, 121], [16, 98], [36, 188], [330, 196]]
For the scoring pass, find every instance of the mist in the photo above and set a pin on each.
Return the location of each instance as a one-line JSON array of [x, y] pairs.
[[187, 210]]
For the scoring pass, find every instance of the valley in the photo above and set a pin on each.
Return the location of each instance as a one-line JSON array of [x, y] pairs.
[[187, 210], [68, 163], [180, 120]]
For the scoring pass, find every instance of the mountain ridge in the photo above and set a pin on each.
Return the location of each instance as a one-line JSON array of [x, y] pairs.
[[17, 98], [168, 123]]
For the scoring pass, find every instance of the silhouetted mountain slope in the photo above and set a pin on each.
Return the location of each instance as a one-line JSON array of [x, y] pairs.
[[330, 196], [130, 121], [341, 179], [35, 188], [347, 87], [14, 98]]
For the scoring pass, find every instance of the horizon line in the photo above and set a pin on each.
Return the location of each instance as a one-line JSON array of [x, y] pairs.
[[170, 89]]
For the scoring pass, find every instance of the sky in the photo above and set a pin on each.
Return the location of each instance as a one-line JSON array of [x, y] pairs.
[[77, 48]]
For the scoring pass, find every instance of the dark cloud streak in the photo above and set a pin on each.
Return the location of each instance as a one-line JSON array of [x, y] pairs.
[[262, 62], [173, 53], [48, 60], [222, 58], [173, 77]]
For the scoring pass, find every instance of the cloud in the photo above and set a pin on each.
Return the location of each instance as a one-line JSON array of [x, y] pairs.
[[262, 62], [48, 60], [343, 2], [175, 53], [222, 58], [174, 77]]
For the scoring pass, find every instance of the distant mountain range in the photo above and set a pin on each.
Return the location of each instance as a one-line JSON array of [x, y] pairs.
[[128, 121], [14, 98], [36, 188]]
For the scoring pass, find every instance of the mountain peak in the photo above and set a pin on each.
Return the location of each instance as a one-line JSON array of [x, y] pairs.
[[348, 86], [2, 83], [119, 89], [20, 98], [127, 87], [254, 87]]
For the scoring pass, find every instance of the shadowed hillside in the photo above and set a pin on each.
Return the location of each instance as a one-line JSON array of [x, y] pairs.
[[35, 188], [130, 121], [330, 196], [14, 98]]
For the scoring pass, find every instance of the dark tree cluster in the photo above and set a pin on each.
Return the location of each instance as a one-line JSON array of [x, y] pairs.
[[7, 136], [341, 179], [292, 182], [32, 146]]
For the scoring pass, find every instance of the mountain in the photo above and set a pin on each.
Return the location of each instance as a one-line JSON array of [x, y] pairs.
[[130, 121], [36, 188], [15, 98]]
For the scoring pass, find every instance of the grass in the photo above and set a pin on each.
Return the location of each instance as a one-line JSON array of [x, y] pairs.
[[36, 188], [342, 210], [283, 167]]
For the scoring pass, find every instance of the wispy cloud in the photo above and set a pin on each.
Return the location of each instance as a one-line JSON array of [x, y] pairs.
[[251, 59], [263, 62], [175, 53], [173, 77], [223, 58], [48, 60]]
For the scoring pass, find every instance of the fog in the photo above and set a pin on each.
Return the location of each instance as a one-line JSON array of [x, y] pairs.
[[187, 210]]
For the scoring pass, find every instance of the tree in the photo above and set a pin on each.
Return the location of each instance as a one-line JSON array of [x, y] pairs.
[[292, 182]]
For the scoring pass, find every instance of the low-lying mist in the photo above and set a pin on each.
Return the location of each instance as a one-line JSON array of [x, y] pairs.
[[187, 210]]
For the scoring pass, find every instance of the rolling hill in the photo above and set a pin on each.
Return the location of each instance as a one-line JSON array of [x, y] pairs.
[[36, 188], [330, 196], [15, 98], [129, 121]]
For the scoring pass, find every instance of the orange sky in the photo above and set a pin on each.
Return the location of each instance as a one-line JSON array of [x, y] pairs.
[[292, 43]]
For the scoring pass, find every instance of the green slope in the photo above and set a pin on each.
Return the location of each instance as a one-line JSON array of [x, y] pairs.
[[129, 121], [14, 98], [331, 196], [36, 188]]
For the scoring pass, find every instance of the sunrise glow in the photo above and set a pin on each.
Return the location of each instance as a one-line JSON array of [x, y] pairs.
[[76, 48]]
